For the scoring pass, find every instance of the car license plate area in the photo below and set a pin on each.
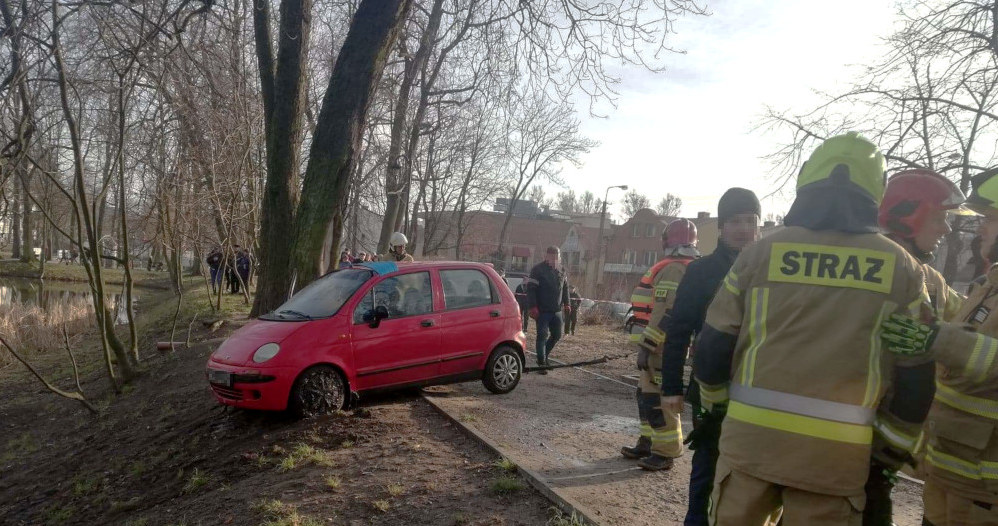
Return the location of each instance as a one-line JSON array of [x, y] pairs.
[[223, 378]]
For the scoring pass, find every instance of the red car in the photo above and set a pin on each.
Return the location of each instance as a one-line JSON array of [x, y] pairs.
[[371, 327]]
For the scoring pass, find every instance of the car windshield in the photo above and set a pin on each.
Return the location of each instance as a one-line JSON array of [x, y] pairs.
[[323, 298]]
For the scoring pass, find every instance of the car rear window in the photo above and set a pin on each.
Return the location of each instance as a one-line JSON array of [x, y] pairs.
[[322, 298], [467, 288]]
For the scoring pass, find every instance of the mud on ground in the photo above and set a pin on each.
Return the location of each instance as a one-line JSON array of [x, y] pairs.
[[167, 453]]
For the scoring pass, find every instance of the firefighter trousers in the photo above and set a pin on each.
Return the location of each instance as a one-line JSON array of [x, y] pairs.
[[740, 499], [944, 507], [659, 424]]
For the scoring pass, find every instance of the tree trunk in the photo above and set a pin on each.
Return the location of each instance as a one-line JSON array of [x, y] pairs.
[[284, 103], [339, 130], [395, 180], [27, 244]]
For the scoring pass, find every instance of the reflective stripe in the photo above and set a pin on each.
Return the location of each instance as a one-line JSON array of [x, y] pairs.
[[981, 359], [712, 395], [666, 436], [654, 335], [980, 471], [970, 404], [645, 430], [894, 436], [731, 283], [873, 380], [635, 337], [757, 331], [801, 425], [803, 405]]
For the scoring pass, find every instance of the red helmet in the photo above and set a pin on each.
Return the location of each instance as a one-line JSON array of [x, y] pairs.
[[911, 196], [681, 232]]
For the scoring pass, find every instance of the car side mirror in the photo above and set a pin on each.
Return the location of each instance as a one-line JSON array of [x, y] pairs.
[[380, 312]]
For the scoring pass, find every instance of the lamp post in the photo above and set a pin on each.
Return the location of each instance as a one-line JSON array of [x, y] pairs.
[[601, 244]]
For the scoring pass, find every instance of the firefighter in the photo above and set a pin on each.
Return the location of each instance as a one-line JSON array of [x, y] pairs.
[[396, 249], [661, 437], [914, 214], [738, 213], [961, 486], [792, 338]]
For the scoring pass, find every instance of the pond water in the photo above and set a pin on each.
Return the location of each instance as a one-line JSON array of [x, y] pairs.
[[48, 294]]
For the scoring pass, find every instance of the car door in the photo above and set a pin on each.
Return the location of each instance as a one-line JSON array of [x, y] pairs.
[[404, 347], [471, 319]]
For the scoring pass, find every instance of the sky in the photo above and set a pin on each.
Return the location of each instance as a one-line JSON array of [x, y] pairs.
[[689, 130]]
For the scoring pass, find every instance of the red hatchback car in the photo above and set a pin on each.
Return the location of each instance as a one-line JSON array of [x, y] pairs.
[[370, 327]]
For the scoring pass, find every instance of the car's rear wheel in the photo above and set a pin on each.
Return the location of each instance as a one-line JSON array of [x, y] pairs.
[[503, 370], [319, 390]]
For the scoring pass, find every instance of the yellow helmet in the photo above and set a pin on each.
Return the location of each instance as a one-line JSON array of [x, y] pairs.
[[984, 197], [846, 159]]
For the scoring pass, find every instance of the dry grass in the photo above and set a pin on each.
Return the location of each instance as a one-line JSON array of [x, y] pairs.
[[31, 329]]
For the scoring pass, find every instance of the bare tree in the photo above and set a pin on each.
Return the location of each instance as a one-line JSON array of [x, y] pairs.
[[633, 201], [931, 103], [669, 205]]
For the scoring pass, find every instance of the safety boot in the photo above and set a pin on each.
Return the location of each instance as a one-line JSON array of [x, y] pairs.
[[643, 449], [655, 462]]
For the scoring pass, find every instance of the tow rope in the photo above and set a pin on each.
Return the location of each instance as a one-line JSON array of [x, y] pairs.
[[603, 359]]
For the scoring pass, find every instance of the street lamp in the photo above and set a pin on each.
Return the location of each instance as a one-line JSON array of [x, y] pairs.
[[601, 246]]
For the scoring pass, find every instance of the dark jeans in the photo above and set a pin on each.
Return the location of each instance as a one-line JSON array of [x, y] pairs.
[[525, 316], [547, 322], [701, 484]]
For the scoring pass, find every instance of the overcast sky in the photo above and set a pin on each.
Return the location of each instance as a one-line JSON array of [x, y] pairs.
[[688, 131]]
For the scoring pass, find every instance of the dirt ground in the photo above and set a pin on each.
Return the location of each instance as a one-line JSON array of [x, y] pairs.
[[167, 453], [569, 425]]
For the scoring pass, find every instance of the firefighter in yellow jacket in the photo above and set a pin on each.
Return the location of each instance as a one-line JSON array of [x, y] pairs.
[[793, 339], [661, 437], [962, 440], [914, 213]]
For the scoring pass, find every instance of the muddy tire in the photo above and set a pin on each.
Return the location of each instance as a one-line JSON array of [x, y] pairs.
[[319, 390], [503, 370]]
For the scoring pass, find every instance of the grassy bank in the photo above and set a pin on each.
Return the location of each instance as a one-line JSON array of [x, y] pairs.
[[75, 272]]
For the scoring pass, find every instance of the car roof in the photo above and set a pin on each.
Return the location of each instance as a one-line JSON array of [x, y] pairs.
[[387, 267]]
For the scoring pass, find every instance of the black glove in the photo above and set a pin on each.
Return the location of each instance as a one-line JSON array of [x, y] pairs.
[[706, 429], [643, 353], [879, 511]]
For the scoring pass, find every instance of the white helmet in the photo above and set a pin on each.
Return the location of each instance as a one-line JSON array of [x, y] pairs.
[[398, 238]]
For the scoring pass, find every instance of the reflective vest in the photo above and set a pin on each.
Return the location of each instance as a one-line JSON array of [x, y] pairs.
[[668, 273], [643, 297], [807, 372]]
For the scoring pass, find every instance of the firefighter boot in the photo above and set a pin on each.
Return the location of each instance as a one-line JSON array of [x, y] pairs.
[[643, 449], [655, 462]]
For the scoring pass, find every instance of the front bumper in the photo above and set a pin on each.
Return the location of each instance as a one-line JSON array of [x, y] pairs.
[[264, 388]]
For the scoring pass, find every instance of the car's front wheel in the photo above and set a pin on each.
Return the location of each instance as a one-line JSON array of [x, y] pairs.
[[319, 390], [503, 370]]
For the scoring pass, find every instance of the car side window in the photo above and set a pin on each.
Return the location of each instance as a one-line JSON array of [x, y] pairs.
[[467, 288], [404, 295]]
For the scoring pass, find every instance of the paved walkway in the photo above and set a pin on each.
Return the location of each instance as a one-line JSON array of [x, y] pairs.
[[568, 427]]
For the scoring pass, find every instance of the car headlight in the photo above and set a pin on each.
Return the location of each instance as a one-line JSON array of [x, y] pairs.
[[266, 352]]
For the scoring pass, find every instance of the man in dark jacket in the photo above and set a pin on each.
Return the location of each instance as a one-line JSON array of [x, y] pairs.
[[738, 214], [547, 298]]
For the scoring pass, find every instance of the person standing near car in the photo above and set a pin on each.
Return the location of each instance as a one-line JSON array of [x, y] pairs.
[[521, 300], [575, 301], [547, 298], [738, 214]]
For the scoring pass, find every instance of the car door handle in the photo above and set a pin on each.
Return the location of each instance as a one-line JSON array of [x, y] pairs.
[[494, 314], [426, 323]]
